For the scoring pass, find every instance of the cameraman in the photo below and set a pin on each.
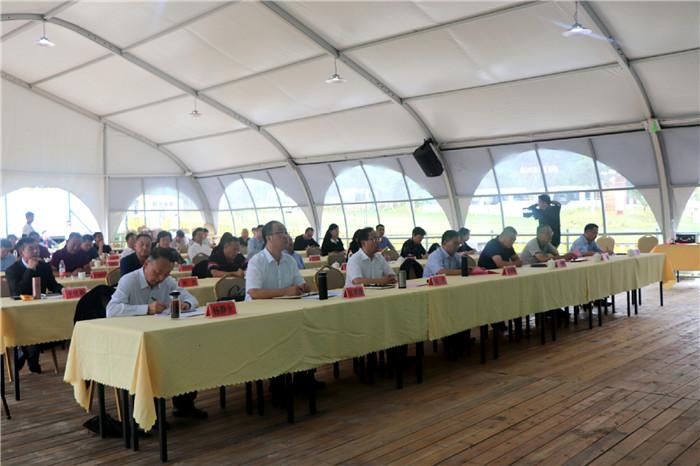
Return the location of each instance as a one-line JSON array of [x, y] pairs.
[[547, 212]]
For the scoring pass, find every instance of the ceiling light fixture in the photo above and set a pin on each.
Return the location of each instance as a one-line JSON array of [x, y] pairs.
[[43, 40], [335, 78], [576, 29], [195, 113]]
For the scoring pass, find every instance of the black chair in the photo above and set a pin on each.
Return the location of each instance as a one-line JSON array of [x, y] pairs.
[[433, 247], [412, 268], [93, 305], [201, 270]]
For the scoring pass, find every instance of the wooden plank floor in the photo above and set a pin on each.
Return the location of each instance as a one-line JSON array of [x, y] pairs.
[[626, 393]]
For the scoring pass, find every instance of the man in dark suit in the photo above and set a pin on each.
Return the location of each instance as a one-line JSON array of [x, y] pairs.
[[19, 275], [19, 279], [135, 261]]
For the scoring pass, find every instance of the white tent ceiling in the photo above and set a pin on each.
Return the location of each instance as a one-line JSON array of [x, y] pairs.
[[457, 70]]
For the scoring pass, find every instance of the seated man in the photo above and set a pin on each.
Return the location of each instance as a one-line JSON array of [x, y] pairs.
[[165, 240], [180, 242], [74, 258], [270, 272], [382, 241], [445, 260], [19, 279], [226, 259], [463, 238], [540, 249], [302, 242], [100, 247], [88, 246], [198, 246], [367, 266], [19, 275], [294, 255], [585, 245], [7, 257], [130, 242], [146, 291], [499, 251], [44, 252], [256, 243], [135, 261], [413, 247]]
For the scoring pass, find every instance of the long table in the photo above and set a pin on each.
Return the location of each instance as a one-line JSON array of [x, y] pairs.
[[154, 357]]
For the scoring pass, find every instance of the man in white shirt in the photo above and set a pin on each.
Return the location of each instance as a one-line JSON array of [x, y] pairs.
[[146, 291], [130, 245], [198, 246], [271, 273], [27, 228], [365, 267]]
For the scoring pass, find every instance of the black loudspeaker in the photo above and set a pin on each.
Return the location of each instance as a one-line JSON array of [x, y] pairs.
[[427, 159]]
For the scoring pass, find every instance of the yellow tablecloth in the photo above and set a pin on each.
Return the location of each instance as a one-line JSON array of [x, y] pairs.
[[204, 291], [33, 322], [682, 257], [159, 357], [91, 283]]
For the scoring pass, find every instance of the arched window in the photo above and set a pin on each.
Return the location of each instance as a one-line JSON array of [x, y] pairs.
[[248, 202], [163, 207], [690, 219], [589, 191], [367, 194], [55, 210]]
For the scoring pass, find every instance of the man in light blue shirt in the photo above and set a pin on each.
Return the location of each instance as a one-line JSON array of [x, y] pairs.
[[146, 291], [444, 260], [293, 254], [585, 245], [271, 273], [382, 241], [256, 243], [7, 258], [367, 266]]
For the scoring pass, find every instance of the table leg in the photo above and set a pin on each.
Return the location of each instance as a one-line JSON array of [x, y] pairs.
[[589, 308], [399, 361], [261, 396], [102, 415], [162, 435], [2, 388], [612, 300], [628, 304], [312, 393], [576, 308], [134, 425], [554, 313], [639, 299], [222, 397], [527, 326], [419, 362], [510, 331], [126, 434], [249, 398], [600, 314], [634, 302], [540, 327], [289, 393], [371, 367], [15, 366], [495, 342], [482, 343], [661, 294], [336, 370]]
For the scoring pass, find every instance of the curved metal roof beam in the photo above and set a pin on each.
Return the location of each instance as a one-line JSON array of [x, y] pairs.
[[661, 164], [172, 81], [340, 55]]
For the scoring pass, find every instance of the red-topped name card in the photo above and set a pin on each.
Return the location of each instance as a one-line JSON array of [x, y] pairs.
[[98, 274], [113, 262], [560, 263], [510, 270], [74, 293], [437, 280], [354, 292], [604, 257], [187, 282], [315, 258], [221, 309], [185, 268], [114, 257]]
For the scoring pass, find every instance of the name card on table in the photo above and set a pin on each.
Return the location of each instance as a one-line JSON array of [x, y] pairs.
[[437, 280], [113, 262], [113, 257], [98, 274], [633, 252], [187, 282], [185, 268], [222, 309], [74, 293], [604, 257], [560, 263], [509, 270], [315, 258], [354, 292]]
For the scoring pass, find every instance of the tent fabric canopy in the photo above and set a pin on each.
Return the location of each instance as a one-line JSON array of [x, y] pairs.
[[466, 73]]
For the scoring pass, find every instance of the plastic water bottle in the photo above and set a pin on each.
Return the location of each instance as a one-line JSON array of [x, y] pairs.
[[61, 269]]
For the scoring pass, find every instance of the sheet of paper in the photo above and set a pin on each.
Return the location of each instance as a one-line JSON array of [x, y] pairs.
[[185, 314]]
